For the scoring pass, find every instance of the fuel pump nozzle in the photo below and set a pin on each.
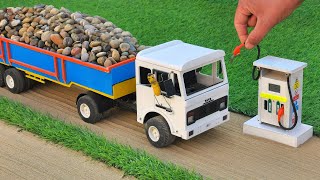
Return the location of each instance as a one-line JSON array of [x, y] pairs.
[[280, 113], [236, 52]]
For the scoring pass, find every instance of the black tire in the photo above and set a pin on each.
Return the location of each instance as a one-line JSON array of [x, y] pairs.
[[2, 70], [29, 84], [165, 136], [87, 102], [17, 83]]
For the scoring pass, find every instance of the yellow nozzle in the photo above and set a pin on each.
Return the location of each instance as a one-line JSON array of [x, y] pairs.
[[154, 84]]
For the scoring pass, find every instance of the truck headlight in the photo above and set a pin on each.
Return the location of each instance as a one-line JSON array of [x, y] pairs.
[[190, 118], [222, 105]]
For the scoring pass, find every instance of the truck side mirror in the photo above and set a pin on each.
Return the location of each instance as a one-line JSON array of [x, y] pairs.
[[169, 88]]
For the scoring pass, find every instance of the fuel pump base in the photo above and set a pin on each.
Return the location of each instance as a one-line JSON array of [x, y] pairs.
[[294, 137]]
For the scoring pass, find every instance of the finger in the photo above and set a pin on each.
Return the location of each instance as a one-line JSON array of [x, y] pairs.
[[241, 23], [252, 21], [257, 34]]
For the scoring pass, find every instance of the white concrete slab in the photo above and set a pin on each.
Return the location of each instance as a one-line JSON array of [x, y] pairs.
[[295, 137]]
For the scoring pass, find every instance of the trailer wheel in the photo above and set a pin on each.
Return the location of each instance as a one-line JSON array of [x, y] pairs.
[[2, 69], [158, 132], [15, 80], [29, 84], [88, 109]]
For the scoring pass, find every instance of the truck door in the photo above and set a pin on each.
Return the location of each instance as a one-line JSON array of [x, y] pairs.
[[163, 101]]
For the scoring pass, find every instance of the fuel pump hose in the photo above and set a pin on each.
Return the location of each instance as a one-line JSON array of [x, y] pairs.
[[254, 69], [294, 109]]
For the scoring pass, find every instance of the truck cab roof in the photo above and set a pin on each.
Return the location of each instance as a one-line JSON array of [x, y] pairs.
[[179, 56]]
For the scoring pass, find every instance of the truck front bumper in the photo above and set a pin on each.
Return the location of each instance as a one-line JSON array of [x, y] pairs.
[[205, 124]]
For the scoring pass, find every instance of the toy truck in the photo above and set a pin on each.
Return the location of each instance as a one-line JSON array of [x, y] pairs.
[[189, 102]]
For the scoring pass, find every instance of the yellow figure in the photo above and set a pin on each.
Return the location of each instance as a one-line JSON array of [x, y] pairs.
[[154, 84]]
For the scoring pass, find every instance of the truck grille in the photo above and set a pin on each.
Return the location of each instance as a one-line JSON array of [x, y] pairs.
[[208, 108]]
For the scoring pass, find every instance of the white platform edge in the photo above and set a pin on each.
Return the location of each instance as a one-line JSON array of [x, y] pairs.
[[294, 138]]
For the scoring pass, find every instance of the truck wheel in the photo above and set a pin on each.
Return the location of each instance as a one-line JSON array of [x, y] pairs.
[[88, 109], [15, 80], [158, 132], [2, 69], [29, 84]]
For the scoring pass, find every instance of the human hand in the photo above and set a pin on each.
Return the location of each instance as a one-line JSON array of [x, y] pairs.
[[263, 15]]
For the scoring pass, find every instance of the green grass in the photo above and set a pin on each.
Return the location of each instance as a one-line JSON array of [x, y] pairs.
[[133, 162], [209, 23]]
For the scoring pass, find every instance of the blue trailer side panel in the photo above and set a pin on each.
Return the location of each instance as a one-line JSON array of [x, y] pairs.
[[32, 58], [75, 73], [123, 72], [92, 78]]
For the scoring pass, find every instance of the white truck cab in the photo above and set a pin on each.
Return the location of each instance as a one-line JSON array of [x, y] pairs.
[[191, 101]]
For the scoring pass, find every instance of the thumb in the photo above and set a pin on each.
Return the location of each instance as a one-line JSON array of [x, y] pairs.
[[257, 34]]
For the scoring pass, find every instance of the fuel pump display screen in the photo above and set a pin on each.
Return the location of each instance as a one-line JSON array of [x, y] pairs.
[[274, 88]]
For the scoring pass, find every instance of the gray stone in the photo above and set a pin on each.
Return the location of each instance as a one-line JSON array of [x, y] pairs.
[[92, 57], [125, 54], [77, 56], [132, 47], [140, 48], [95, 44], [84, 57], [27, 20], [96, 49], [131, 56], [68, 27], [75, 37], [85, 44], [101, 60], [114, 43], [108, 24], [112, 60], [122, 58], [105, 37], [117, 30], [83, 22], [126, 33], [64, 34], [15, 38], [107, 63], [89, 26], [54, 11], [116, 55], [46, 36], [3, 22], [124, 47], [100, 54], [95, 21], [41, 44], [106, 47], [83, 51], [66, 51], [34, 41], [70, 21], [15, 23], [76, 15]]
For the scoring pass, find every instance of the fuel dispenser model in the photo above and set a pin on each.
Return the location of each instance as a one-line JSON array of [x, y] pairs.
[[279, 102]]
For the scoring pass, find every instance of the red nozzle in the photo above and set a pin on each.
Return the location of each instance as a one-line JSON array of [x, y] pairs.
[[236, 50], [280, 113]]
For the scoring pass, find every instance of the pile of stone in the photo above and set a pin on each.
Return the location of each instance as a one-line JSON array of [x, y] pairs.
[[89, 39]]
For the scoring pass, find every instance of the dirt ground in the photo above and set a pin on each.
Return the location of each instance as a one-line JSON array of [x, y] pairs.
[[223, 152], [25, 156]]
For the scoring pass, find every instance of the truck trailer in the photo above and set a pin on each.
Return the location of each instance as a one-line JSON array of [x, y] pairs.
[[188, 103]]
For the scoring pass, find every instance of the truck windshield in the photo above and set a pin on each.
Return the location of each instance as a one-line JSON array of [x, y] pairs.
[[203, 77]]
